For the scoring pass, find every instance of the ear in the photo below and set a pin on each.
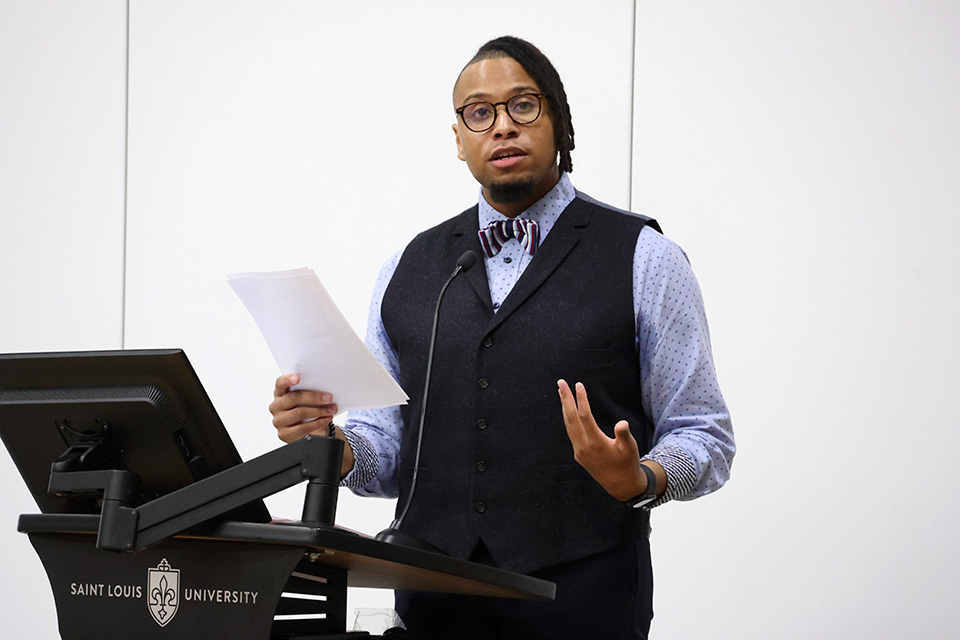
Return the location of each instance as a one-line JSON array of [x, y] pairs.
[[456, 133]]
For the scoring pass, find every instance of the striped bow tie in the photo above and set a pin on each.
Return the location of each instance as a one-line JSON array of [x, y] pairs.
[[527, 233]]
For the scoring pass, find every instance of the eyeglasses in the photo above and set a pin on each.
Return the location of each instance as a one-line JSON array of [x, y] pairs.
[[522, 108]]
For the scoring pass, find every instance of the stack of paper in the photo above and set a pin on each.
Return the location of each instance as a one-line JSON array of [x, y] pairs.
[[309, 336]]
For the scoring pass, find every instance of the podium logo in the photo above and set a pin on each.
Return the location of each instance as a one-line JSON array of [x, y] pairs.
[[163, 592]]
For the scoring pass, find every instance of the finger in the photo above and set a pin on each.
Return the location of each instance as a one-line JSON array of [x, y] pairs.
[[586, 415], [625, 440], [295, 432], [310, 403], [303, 414], [568, 407], [283, 384], [567, 401], [305, 397]]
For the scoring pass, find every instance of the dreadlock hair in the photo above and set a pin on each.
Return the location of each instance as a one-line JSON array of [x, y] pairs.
[[545, 75]]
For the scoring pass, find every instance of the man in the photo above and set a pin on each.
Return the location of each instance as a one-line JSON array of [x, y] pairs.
[[518, 469]]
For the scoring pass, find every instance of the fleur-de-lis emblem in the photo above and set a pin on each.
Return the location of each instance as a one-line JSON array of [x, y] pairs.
[[163, 585], [162, 597]]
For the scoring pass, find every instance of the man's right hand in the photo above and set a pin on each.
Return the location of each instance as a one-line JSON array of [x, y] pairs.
[[301, 412]]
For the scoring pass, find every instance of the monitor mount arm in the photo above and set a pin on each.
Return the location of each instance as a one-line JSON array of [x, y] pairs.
[[124, 527]]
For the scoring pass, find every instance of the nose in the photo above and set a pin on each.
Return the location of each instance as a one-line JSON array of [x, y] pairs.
[[503, 125]]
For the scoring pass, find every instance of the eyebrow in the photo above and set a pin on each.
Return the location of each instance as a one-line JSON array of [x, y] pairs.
[[484, 96]]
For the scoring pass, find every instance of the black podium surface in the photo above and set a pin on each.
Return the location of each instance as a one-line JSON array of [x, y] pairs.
[[152, 526], [239, 579]]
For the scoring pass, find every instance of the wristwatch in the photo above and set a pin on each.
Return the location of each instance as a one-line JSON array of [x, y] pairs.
[[649, 494]]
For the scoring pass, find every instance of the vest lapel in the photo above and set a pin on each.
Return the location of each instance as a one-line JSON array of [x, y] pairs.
[[552, 252], [466, 238]]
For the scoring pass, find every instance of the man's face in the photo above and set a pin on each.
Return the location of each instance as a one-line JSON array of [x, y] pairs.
[[516, 164]]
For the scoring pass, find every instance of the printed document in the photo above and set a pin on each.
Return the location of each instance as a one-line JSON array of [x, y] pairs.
[[309, 336]]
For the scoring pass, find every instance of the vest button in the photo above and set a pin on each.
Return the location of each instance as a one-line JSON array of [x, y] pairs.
[[483, 383], [481, 507], [508, 260], [481, 424], [488, 341], [481, 466]]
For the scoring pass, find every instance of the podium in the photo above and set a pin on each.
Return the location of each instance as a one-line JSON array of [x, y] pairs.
[[152, 527]]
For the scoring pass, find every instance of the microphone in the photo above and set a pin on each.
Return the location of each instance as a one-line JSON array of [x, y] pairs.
[[464, 263], [393, 534]]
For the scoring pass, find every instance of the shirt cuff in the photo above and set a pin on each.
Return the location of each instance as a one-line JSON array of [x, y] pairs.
[[681, 473], [365, 461]]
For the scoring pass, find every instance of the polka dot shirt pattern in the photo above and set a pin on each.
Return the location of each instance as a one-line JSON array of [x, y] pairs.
[[693, 433]]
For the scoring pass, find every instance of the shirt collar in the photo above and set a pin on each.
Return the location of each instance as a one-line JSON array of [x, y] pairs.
[[545, 211]]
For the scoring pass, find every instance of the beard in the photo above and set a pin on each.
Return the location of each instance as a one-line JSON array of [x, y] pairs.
[[509, 192]]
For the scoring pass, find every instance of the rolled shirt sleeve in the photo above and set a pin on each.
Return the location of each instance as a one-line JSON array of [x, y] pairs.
[[693, 433]]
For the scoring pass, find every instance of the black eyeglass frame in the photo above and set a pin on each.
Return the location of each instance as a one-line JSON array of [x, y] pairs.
[[506, 108]]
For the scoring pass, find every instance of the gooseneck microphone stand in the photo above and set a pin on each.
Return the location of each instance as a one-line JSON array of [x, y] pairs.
[[393, 533]]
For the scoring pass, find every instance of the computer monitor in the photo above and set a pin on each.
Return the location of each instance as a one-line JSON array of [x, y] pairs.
[[141, 411]]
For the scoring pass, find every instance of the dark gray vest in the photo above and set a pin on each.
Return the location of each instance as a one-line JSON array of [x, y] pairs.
[[496, 463]]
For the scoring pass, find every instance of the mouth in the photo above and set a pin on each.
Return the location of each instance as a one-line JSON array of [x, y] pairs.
[[507, 152], [507, 157]]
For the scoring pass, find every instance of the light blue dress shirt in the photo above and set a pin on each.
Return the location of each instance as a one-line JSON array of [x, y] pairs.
[[693, 434]]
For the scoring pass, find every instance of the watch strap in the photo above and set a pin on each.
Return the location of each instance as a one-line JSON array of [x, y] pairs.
[[649, 494]]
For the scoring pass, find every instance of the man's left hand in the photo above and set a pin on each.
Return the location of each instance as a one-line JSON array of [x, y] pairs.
[[613, 462]]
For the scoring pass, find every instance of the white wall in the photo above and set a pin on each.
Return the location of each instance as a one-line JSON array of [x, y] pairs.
[[800, 152], [62, 106], [806, 155]]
